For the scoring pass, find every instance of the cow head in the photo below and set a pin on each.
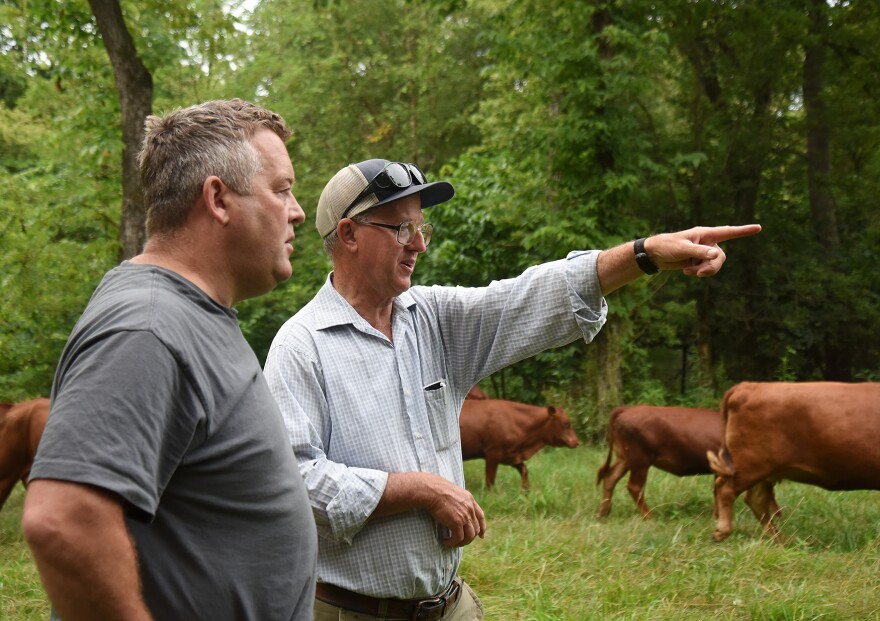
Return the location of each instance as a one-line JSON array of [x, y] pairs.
[[560, 430]]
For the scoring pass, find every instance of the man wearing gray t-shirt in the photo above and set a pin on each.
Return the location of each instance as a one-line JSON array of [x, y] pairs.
[[164, 487]]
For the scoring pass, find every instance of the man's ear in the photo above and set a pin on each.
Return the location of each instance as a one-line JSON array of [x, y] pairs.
[[346, 232], [215, 195]]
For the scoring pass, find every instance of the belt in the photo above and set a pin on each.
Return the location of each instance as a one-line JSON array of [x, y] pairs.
[[427, 609]]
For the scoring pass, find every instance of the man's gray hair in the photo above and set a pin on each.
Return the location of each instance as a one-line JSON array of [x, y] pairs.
[[332, 240], [186, 146]]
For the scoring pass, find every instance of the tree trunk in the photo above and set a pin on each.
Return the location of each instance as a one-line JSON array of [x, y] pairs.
[[705, 355], [603, 368], [135, 86], [837, 356], [822, 206]]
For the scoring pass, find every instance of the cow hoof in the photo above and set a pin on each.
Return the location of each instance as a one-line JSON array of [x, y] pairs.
[[720, 536]]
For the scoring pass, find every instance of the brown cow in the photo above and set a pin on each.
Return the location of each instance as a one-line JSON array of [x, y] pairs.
[[21, 427], [821, 433], [507, 432], [476, 393], [674, 439]]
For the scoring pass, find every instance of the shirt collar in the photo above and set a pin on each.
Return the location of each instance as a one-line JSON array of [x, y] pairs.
[[334, 310]]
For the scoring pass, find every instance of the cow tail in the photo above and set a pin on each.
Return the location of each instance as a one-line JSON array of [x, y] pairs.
[[603, 470], [720, 463]]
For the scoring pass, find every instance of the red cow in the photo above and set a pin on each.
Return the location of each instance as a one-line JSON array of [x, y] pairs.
[[674, 439], [476, 393], [507, 432], [821, 433], [21, 427]]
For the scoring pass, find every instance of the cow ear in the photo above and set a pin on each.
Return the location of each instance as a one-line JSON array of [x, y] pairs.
[[552, 411]]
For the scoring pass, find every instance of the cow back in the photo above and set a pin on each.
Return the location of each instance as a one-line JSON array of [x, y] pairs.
[[511, 428], [822, 433], [674, 439], [476, 393]]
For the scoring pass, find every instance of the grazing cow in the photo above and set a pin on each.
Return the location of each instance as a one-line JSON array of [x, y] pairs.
[[476, 393], [507, 432], [674, 439], [821, 433], [21, 427]]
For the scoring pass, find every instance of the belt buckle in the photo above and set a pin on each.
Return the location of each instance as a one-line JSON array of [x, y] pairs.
[[426, 607]]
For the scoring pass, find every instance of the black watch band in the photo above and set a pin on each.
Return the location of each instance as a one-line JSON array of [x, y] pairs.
[[642, 257]]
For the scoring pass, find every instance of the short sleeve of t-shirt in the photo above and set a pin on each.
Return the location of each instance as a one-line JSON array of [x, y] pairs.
[[122, 420]]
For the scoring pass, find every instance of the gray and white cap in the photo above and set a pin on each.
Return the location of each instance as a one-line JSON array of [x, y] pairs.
[[362, 186]]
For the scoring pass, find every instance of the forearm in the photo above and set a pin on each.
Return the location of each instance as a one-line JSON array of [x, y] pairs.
[[452, 507], [617, 267], [404, 491], [83, 552]]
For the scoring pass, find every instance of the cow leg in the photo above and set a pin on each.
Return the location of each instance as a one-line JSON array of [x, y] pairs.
[[491, 470], [7, 484], [609, 480], [523, 475], [775, 510], [636, 485], [725, 496], [759, 498]]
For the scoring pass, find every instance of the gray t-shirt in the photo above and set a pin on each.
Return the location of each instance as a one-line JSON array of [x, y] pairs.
[[159, 398]]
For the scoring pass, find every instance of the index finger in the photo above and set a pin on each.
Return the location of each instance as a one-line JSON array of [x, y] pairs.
[[715, 234]]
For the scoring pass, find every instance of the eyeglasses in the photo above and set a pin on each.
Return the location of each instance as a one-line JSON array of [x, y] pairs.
[[397, 174], [406, 231]]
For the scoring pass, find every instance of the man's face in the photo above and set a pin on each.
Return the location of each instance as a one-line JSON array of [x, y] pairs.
[[265, 220], [388, 265]]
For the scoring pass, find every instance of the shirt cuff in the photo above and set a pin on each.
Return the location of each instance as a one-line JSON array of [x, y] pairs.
[[355, 502], [584, 292]]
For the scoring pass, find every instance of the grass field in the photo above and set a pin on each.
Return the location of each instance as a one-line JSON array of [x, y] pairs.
[[546, 557]]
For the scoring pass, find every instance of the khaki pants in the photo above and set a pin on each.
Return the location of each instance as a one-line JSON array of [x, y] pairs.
[[469, 608]]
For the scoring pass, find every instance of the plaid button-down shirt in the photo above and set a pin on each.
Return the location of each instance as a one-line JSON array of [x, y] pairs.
[[358, 406]]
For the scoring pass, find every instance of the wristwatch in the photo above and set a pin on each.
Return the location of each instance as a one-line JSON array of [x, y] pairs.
[[642, 257]]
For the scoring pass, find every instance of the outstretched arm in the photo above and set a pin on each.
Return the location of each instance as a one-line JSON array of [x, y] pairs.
[[694, 251]]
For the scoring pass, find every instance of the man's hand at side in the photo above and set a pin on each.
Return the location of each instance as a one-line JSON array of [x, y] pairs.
[[453, 507]]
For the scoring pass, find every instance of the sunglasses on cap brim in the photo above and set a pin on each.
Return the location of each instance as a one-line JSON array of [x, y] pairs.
[[394, 175]]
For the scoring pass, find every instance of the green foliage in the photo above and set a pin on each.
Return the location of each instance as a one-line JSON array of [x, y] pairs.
[[562, 124], [58, 226]]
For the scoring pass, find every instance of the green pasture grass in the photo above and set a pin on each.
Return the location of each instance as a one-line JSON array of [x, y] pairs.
[[21, 595], [547, 558]]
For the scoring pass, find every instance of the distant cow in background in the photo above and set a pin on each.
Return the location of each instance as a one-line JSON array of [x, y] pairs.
[[476, 393], [507, 432], [674, 439], [821, 433], [21, 427]]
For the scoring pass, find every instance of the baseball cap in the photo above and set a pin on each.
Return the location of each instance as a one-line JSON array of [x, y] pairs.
[[352, 181]]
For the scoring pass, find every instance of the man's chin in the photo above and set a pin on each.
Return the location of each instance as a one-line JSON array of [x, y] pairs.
[[278, 277]]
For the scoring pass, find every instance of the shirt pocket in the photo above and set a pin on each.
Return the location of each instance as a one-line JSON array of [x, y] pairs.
[[444, 423]]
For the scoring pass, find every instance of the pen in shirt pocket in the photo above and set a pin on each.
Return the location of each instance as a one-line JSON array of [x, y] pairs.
[[440, 383]]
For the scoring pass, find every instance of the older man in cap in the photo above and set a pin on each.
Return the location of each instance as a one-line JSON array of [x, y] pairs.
[[371, 375]]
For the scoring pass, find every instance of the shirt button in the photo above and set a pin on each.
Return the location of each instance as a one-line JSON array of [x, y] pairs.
[[418, 436]]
